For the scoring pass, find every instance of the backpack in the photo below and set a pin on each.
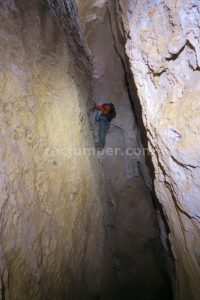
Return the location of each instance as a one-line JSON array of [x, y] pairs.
[[112, 113]]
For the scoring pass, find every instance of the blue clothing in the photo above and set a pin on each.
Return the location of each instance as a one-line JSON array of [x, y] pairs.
[[104, 125]]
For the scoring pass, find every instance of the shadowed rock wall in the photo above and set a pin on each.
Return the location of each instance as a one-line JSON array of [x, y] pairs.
[[162, 43], [138, 258]]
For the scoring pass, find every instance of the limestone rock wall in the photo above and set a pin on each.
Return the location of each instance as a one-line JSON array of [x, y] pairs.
[[51, 231], [162, 43], [138, 259], [91, 11]]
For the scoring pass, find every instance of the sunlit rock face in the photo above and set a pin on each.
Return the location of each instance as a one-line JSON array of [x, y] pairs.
[[162, 42], [51, 239]]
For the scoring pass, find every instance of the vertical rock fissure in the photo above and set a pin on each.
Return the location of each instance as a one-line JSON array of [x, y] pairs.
[[163, 52], [157, 205], [120, 57], [130, 221], [75, 223]]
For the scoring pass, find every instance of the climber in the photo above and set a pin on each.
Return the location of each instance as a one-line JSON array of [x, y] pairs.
[[105, 113]]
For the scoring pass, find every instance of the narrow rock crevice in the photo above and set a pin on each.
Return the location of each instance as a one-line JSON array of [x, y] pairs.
[[81, 224], [134, 99], [127, 236]]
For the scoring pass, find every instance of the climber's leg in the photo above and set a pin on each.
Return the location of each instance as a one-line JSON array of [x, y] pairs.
[[103, 129]]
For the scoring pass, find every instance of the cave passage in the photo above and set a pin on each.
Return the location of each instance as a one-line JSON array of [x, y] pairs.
[[140, 265], [73, 226]]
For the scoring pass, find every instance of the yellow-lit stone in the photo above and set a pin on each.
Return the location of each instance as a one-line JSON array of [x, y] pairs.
[[52, 238]]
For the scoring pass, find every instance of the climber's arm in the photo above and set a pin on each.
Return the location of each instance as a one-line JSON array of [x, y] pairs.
[[99, 107]]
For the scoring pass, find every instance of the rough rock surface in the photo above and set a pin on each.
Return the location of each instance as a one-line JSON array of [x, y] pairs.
[[132, 230], [162, 43], [51, 223]]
